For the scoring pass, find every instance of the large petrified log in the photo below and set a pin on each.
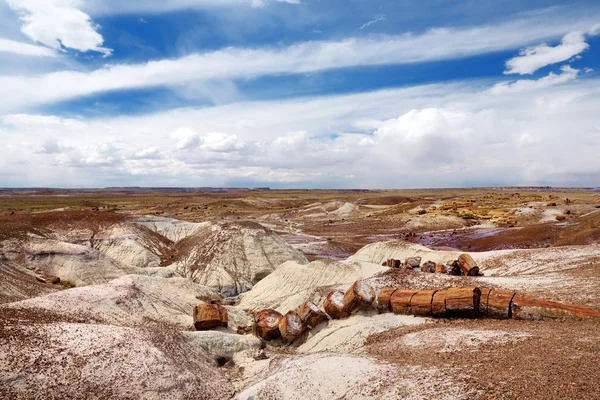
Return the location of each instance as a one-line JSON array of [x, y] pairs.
[[438, 303], [400, 301], [266, 324], [499, 303], [527, 307], [420, 303], [311, 314], [334, 305], [359, 296], [467, 265], [291, 327], [383, 299], [210, 315], [392, 263], [463, 302], [428, 266]]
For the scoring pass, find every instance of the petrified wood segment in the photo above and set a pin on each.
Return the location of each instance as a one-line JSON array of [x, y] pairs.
[[438, 303], [467, 265], [266, 324], [311, 314], [428, 266], [440, 269], [463, 302], [334, 305], [210, 315], [413, 262], [291, 327], [400, 301], [393, 263], [527, 307], [499, 303], [420, 303], [383, 299], [359, 296]]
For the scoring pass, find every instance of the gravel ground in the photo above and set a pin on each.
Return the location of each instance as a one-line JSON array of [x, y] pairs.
[[560, 360]]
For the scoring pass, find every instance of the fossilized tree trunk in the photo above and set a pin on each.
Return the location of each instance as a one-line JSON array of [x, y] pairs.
[[334, 305], [467, 265], [383, 299], [438, 303], [428, 266], [359, 296], [210, 315], [499, 303], [400, 301], [311, 314], [527, 307], [291, 326], [266, 324], [420, 303], [463, 302]]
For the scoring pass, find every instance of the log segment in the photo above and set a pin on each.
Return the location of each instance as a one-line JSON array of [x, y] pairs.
[[311, 315], [334, 305], [400, 301], [499, 304], [428, 266], [266, 324], [463, 302], [527, 307], [359, 296], [393, 263], [438, 303], [291, 327], [467, 265], [453, 268], [209, 316], [383, 299], [420, 303], [440, 269]]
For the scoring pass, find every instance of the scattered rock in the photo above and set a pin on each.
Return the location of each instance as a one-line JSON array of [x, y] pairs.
[[429, 266]]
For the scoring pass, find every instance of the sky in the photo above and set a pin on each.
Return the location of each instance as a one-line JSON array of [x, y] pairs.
[[374, 94]]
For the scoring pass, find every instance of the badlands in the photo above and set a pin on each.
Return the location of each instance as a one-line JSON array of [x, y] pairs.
[[101, 292]]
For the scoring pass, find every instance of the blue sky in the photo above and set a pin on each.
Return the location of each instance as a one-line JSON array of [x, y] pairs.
[[299, 93]]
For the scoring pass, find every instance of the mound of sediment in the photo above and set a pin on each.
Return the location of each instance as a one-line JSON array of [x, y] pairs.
[[232, 257], [131, 301], [18, 283], [292, 284], [82, 361]]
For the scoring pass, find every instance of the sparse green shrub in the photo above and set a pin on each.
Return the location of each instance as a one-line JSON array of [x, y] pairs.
[[67, 283]]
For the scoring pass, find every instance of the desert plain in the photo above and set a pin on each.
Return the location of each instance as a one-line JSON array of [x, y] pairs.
[[98, 290]]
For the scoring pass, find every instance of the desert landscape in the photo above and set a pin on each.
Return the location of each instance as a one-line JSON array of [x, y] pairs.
[[487, 293]]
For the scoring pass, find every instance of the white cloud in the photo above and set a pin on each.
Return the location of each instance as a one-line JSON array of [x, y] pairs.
[[21, 120], [533, 58], [59, 24], [148, 153], [377, 19], [187, 139], [14, 47], [50, 146], [568, 74], [434, 135], [237, 63]]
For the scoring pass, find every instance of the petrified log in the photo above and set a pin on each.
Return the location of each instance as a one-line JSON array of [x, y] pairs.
[[210, 315], [428, 266], [334, 305], [527, 307], [413, 262], [311, 314], [383, 299], [463, 302], [291, 326], [420, 303], [359, 296], [266, 323], [467, 265], [393, 263], [440, 269], [438, 303], [453, 268], [400, 301], [498, 303]]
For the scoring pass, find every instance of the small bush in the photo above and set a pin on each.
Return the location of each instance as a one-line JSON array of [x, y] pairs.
[[67, 283]]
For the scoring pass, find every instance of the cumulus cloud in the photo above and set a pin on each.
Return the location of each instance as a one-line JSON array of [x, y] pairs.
[[59, 24], [533, 58], [40, 120], [567, 74], [187, 139], [222, 143], [50, 146], [231, 64], [148, 153]]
